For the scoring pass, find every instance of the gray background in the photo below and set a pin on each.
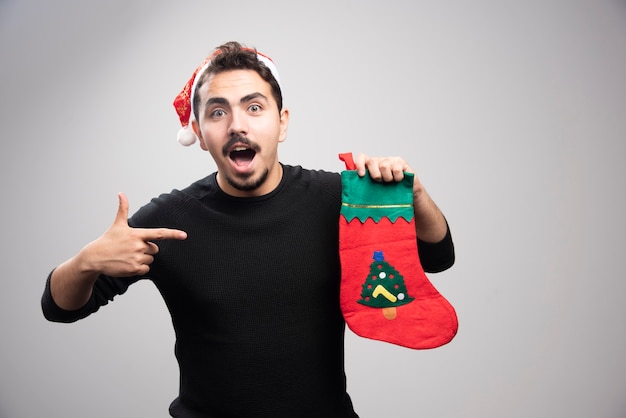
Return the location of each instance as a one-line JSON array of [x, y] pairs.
[[512, 113]]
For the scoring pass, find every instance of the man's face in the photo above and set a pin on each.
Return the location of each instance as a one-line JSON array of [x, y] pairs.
[[240, 125]]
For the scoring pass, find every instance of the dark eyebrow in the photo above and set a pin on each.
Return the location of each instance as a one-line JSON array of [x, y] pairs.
[[252, 96], [244, 99], [215, 100]]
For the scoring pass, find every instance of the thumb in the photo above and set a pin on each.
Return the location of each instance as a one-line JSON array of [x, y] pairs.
[[122, 210]]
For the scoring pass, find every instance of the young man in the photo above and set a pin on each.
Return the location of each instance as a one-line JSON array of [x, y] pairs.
[[247, 258]]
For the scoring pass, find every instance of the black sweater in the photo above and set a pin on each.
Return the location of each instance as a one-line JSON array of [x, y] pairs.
[[254, 297]]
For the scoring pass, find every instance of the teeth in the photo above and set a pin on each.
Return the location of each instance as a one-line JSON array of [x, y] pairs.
[[240, 149]]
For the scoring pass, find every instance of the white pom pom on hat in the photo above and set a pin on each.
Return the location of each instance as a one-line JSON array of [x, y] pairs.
[[183, 101], [186, 136]]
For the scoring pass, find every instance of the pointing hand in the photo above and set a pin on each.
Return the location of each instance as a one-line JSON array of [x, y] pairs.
[[123, 251]]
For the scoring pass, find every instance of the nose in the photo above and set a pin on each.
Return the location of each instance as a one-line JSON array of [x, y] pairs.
[[237, 123]]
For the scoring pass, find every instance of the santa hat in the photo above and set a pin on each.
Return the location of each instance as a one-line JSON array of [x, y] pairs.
[[183, 101]]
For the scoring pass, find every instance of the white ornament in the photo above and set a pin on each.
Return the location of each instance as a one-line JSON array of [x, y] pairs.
[[382, 275], [400, 296]]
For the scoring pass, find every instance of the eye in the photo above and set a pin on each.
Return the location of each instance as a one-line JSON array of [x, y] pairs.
[[217, 113], [255, 108]]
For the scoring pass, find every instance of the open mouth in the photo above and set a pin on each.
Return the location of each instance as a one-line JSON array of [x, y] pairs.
[[242, 156]]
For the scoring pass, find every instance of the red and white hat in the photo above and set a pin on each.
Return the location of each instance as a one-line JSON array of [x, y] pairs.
[[183, 101]]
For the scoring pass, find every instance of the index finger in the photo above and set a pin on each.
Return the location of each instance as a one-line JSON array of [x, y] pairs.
[[360, 161], [157, 234]]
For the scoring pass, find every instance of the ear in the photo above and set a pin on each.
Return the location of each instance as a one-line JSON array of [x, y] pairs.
[[284, 123], [198, 132]]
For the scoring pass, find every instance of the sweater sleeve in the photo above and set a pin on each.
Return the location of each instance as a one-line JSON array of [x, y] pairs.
[[104, 290], [439, 256]]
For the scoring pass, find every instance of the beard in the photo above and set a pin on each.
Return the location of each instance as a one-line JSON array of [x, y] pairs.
[[246, 183]]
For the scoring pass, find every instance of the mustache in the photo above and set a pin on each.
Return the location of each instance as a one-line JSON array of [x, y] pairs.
[[238, 139]]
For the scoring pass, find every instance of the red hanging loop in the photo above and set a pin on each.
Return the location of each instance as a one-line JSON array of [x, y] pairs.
[[346, 157]]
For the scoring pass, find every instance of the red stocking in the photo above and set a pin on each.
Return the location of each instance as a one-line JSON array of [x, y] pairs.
[[385, 294]]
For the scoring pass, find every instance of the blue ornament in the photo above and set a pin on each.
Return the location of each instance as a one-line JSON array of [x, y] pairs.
[[378, 256]]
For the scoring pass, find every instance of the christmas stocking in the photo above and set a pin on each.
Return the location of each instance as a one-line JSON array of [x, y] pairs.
[[385, 294]]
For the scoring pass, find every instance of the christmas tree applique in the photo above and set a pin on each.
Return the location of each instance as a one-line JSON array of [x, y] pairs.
[[384, 287]]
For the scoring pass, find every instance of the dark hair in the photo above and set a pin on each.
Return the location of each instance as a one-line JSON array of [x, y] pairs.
[[234, 56]]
